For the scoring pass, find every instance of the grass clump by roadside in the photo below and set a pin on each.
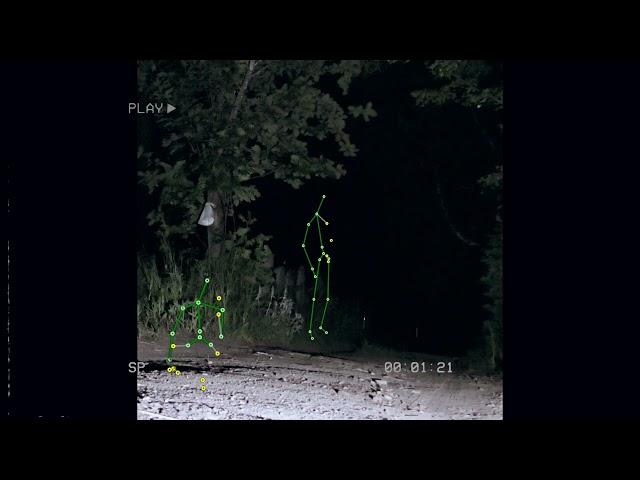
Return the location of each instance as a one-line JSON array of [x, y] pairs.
[[253, 313]]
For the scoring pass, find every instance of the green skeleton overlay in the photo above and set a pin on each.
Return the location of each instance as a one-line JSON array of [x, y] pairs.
[[315, 271], [198, 305]]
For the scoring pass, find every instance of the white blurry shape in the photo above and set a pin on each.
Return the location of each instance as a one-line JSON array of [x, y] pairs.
[[206, 217]]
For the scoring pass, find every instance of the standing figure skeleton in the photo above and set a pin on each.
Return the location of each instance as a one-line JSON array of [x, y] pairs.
[[315, 271]]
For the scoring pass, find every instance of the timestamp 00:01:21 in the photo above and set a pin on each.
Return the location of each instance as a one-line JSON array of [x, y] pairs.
[[423, 367]]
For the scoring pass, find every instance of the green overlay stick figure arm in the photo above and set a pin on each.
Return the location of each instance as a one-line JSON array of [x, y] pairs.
[[316, 270]]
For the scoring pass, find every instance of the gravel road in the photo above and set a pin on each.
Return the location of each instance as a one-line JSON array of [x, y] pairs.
[[262, 383]]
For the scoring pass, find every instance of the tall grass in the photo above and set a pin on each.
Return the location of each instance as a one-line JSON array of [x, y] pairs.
[[167, 282], [252, 311]]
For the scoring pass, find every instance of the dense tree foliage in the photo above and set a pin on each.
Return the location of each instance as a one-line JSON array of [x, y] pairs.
[[239, 121]]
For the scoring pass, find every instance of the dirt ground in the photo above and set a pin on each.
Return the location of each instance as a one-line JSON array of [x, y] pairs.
[[246, 383]]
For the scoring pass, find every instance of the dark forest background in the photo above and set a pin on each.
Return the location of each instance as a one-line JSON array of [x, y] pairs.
[[409, 155]]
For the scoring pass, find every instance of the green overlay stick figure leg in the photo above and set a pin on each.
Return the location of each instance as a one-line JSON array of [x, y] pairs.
[[315, 271], [199, 307]]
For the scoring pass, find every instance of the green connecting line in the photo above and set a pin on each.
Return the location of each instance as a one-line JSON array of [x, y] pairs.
[[315, 271], [326, 303], [220, 318], [198, 304], [202, 291]]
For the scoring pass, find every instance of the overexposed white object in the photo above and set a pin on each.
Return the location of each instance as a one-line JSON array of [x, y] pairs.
[[206, 217]]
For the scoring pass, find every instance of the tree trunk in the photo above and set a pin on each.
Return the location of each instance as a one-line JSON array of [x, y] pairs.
[[215, 232], [243, 89]]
